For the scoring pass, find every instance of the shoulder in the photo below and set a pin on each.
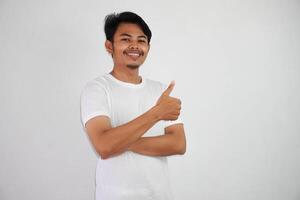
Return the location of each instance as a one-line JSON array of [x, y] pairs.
[[99, 81], [158, 85], [95, 85]]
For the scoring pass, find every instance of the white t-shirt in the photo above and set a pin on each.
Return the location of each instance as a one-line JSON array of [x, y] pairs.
[[128, 176]]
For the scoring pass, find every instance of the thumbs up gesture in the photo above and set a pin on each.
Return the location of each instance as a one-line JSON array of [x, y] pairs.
[[168, 107]]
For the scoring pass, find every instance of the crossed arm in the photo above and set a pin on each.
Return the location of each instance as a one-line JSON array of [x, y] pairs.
[[108, 141], [171, 143]]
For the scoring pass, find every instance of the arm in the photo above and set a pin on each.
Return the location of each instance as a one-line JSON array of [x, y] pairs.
[[172, 143], [109, 141]]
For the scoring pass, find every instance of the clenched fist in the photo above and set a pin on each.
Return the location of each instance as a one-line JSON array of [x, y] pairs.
[[168, 107]]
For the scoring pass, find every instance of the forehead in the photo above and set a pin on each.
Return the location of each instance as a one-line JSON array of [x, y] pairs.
[[129, 28]]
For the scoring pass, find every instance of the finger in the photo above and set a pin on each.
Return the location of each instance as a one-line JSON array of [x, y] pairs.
[[168, 91], [179, 101], [174, 117]]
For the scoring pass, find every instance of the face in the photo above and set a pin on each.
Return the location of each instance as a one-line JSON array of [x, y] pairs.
[[130, 46]]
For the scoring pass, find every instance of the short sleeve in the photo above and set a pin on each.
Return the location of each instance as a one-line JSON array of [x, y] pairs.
[[93, 102], [179, 119]]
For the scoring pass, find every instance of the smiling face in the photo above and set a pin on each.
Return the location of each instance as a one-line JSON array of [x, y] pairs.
[[129, 47]]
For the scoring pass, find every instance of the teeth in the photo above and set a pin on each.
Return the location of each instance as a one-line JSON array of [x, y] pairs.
[[133, 54]]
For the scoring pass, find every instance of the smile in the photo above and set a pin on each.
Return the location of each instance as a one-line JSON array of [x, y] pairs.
[[133, 54]]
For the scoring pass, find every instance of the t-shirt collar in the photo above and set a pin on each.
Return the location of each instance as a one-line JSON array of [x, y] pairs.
[[126, 84]]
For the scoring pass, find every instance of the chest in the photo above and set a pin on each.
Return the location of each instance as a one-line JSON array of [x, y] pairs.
[[128, 104]]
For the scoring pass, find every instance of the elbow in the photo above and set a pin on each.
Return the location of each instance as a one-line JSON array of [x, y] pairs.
[[181, 148], [104, 152], [103, 156], [182, 151]]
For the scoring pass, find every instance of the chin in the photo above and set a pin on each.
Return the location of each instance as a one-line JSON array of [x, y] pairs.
[[133, 66]]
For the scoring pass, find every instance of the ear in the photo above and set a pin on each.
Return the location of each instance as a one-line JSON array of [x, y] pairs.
[[109, 46]]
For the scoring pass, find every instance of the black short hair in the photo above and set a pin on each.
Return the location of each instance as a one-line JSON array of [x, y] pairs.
[[113, 20]]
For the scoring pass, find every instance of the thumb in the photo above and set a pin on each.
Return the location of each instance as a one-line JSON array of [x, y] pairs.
[[168, 91]]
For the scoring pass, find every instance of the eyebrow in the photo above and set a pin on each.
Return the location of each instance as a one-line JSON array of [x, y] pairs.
[[140, 36]]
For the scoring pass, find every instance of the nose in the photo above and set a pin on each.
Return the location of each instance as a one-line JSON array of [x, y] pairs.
[[134, 45]]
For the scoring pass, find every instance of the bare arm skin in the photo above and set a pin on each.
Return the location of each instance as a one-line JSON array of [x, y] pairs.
[[172, 143], [109, 141]]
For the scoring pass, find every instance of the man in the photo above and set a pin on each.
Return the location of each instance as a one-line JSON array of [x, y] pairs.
[[132, 122]]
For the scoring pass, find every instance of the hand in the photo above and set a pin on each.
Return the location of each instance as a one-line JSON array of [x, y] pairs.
[[168, 107]]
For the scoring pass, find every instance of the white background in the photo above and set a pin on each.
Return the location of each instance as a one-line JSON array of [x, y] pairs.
[[236, 66]]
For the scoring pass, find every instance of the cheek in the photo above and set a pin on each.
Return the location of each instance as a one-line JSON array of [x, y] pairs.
[[145, 50], [118, 51], [119, 47]]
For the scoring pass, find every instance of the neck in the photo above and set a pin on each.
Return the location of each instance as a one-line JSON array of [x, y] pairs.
[[126, 74]]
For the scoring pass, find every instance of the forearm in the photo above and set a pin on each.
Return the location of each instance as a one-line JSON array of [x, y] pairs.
[[163, 145], [117, 140]]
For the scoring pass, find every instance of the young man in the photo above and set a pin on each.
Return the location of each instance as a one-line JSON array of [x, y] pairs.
[[132, 122]]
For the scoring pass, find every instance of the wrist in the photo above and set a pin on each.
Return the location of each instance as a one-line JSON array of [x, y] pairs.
[[132, 147], [154, 112]]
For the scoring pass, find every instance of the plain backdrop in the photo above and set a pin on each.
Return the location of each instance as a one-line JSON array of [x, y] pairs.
[[236, 66]]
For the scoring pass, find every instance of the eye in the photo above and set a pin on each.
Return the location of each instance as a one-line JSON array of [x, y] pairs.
[[142, 41], [125, 39]]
